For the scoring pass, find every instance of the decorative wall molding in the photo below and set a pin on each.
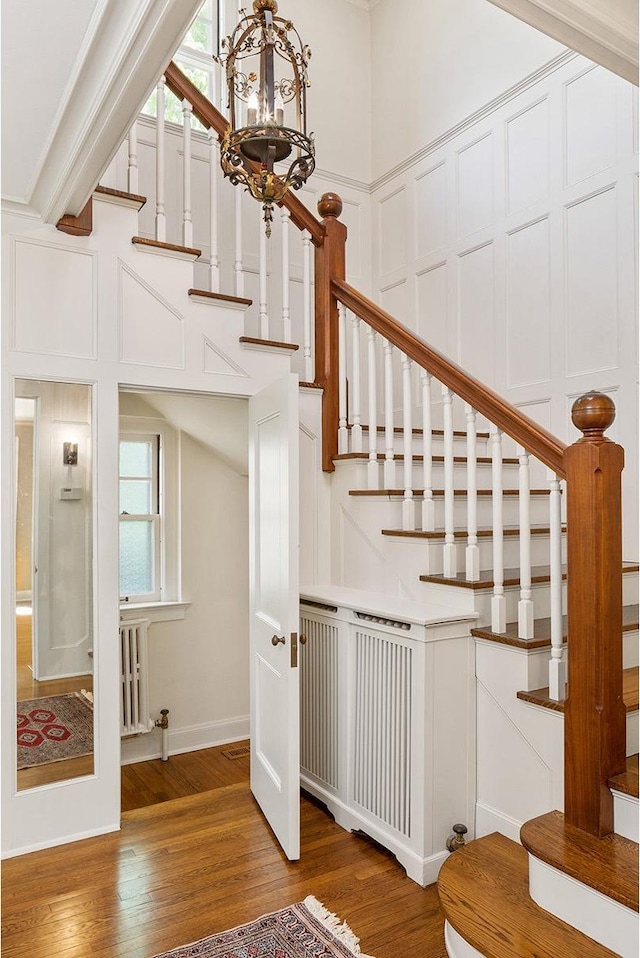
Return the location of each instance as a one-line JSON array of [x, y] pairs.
[[511, 93]]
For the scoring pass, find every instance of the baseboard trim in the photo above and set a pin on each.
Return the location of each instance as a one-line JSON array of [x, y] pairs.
[[54, 842], [145, 748], [490, 820]]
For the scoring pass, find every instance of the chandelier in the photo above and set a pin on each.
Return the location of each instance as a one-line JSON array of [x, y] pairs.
[[266, 148]]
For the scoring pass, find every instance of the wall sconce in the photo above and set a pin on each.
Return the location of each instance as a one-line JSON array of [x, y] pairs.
[[70, 453]]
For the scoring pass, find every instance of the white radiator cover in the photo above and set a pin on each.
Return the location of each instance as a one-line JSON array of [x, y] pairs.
[[134, 678], [387, 727]]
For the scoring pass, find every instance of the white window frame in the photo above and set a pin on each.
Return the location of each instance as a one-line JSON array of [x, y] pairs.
[[167, 558]]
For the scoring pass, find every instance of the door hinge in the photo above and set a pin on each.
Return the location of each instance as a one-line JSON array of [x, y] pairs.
[[294, 650]]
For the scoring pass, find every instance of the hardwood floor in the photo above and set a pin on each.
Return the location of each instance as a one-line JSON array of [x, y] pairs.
[[184, 868], [30, 688]]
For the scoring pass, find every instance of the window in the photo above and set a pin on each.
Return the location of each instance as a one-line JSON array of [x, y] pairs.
[[140, 521], [194, 57]]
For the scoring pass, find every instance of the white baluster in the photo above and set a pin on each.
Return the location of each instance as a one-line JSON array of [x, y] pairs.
[[286, 311], [343, 432], [389, 479], [408, 507], [306, 306], [187, 223], [525, 604], [498, 602], [557, 664], [161, 219], [428, 505], [449, 564], [373, 473], [472, 553], [354, 395], [132, 165], [214, 260], [262, 302], [238, 266]]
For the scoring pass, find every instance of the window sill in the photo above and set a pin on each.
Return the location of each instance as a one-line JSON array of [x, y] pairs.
[[154, 611]]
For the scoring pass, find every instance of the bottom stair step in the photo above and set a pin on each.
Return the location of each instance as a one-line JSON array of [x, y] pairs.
[[627, 782], [630, 694], [484, 893]]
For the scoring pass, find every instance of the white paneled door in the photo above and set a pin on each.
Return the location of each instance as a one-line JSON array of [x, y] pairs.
[[275, 689]]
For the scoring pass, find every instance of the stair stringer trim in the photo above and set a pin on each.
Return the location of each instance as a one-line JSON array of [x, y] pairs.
[[176, 343], [394, 585], [232, 369]]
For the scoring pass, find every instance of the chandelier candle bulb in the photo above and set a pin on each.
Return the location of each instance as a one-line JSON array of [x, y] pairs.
[[252, 110]]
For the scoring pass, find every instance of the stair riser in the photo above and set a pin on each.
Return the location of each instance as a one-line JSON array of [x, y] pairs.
[[630, 647], [390, 511], [483, 447], [358, 475], [416, 557], [625, 816]]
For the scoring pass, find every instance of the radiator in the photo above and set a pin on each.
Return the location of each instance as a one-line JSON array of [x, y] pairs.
[[134, 677]]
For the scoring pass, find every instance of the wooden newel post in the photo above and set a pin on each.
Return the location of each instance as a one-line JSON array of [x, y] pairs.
[[595, 721], [329, 265]]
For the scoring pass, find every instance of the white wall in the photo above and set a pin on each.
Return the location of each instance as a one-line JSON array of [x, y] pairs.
[[438, 62], [509, 245]]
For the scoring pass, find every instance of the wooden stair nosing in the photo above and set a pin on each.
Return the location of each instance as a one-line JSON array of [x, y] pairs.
[[485, 532], [609, 865], [484, 893], [630, 694], [399, 457], [511, 577], [123, 194], [220, 297], [158, 244], [439, 493], [627, 782], [542, 630], [268, 342]]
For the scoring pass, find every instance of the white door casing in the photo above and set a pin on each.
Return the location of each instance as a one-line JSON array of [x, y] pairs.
[[274, 612]]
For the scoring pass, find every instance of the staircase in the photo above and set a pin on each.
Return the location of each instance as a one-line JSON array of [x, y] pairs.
[[457, 513]]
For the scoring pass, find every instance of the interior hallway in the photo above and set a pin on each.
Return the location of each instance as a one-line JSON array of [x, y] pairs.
[[183, 868]]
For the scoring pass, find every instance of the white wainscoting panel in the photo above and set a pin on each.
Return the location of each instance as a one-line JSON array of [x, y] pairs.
[[590, 104], [151, 329], [528, 305], [592, 284], [476, 312], [54, 299], [433, 312], [528, 147], [393, 241], [475, 186], [431, 202]]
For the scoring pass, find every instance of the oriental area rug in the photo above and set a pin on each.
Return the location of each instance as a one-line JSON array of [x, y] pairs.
[[54, 728], [305, 930]]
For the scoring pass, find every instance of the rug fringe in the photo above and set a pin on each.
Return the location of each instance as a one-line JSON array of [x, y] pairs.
[[338, 928]]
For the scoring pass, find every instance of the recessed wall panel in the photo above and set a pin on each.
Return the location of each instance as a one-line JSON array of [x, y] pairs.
[[590, 106], [393, 229], [476, 312], [528, 305], [475, 186], [431, 210], [151, 330], [591, 284], [55, 313], [433, 319], [394, 300], [528, 157]]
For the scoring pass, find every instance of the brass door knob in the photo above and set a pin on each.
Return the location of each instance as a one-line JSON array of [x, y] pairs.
[[303, 640], [277, 639]]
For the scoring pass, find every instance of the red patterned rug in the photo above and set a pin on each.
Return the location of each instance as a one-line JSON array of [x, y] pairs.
[[54, 728], [305, 930]]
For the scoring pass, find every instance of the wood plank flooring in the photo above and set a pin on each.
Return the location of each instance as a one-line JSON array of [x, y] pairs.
[[187, 867]]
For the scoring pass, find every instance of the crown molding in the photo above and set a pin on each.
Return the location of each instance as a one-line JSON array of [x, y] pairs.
[[606, 31]]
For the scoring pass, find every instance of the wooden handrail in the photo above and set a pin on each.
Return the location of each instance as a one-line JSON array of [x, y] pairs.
[[212, 119], [497, 410]]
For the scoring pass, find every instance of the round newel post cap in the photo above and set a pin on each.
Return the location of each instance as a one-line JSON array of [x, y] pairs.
[[592, 414], [329, 204]]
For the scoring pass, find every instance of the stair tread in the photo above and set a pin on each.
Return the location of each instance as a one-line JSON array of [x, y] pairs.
[[484, 893], [399, 493], [539, 573], [609, 864], [629, 694], [123, 194], [485, 532], [220, 297], [627, 781], [268, 342], [158, 244], [399, 457], [542, 630]]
